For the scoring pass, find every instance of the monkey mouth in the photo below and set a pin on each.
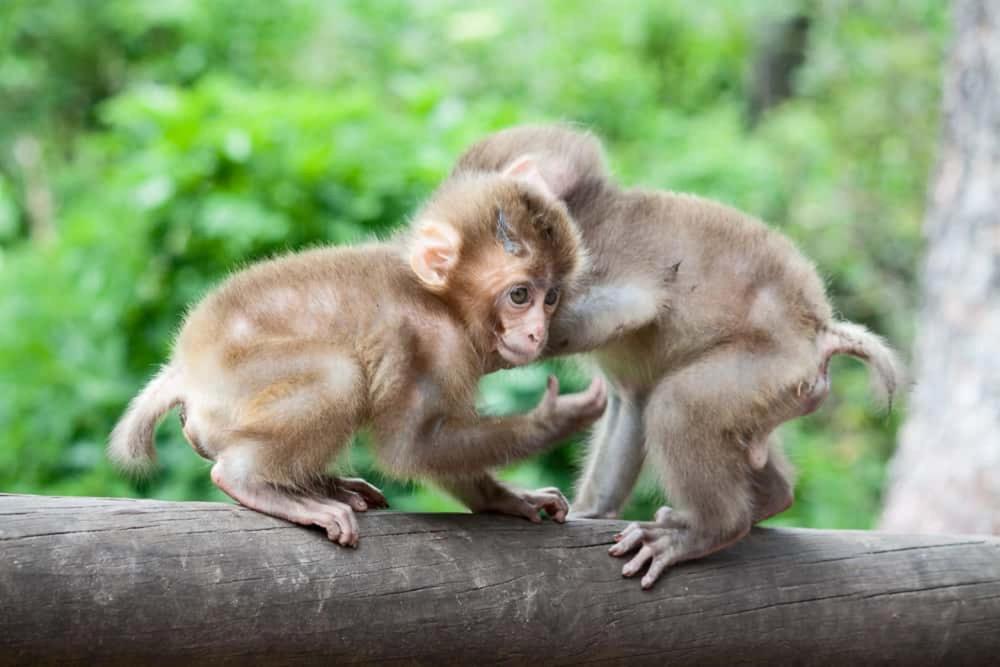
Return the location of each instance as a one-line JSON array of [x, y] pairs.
[[516, 355]]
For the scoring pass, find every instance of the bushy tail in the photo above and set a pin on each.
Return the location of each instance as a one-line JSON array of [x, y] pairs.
[[888, 374], [131, 444]]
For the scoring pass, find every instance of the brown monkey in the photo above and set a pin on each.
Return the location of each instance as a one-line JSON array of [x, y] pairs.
[[278, 367], [712, 330]]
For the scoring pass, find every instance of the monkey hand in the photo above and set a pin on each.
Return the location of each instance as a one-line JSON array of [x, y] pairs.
[[528, 504], [567, 414]]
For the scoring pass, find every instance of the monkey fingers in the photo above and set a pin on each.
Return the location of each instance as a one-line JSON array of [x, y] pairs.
[[590, 403], [549, 499], [512, 504], [572, 412], [527, 504]]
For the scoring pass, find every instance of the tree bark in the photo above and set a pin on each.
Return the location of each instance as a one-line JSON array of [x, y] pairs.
[[946, 472], [131, 582]]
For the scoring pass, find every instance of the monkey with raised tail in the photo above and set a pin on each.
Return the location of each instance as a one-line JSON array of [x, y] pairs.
[[712, 329], [280, 365]]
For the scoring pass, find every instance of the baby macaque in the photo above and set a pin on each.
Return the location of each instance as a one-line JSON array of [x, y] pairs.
[[277, 368], [712, 330]]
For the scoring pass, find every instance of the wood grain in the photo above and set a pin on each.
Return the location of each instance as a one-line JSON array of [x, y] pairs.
[[101, 581]]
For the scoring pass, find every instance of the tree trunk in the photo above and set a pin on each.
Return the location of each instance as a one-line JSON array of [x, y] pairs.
[[946, 473], [780, 51], [87, 581]]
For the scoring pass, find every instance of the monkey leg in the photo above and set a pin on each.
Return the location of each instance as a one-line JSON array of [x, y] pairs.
[[230, 475], [286, 429], [691, 420], [614, 460]]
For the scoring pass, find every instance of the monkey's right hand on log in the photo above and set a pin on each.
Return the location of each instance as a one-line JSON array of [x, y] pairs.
[[527, 504], [565, 415]]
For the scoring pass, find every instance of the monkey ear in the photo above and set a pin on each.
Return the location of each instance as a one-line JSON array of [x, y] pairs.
[[434, 252], [527, 170]]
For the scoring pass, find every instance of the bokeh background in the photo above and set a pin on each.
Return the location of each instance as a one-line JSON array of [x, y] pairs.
[[148, 148]]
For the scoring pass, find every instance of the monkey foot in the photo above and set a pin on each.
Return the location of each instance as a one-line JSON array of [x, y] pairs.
[[527, 504], [356, 492], [336, 517], [661, 543]]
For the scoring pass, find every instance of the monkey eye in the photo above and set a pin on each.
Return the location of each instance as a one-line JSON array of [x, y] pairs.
[[552, 296], [519, 295]]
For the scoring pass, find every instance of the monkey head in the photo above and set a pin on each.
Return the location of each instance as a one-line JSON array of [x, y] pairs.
[[501, 249]]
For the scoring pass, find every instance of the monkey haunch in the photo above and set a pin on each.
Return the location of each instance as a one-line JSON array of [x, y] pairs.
[[713, 330], [278, 367]]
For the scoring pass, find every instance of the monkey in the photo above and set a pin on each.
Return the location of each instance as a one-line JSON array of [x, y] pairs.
[[279, 366], [711, 329]]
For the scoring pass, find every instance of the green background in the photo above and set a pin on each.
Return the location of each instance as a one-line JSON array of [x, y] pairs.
[[149, 148]]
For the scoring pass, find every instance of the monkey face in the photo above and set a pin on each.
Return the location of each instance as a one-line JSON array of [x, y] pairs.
[[523, 312]]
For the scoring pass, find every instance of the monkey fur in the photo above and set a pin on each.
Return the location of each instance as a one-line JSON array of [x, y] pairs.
[[711, 328], [278, 367]]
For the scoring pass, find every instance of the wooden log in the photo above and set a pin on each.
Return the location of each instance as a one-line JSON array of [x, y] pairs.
[[99, 581]]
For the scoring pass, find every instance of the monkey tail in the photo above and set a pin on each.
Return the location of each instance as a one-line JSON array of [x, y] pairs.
[[855, 340], [131, 444]]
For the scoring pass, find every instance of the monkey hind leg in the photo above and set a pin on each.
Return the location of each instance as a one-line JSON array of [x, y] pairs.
[[695, 422], [285, 431], [234, 474]]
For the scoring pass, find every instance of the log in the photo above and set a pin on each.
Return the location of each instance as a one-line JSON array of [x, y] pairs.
[[102, 581]]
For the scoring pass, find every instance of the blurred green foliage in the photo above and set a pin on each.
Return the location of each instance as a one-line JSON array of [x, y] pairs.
[[147, 149]]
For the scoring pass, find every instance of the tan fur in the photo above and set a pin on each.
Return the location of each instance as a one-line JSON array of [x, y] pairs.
[[279, 366], [737, 343]]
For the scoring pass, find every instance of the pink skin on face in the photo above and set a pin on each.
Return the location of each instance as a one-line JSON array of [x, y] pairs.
[[523, 326]]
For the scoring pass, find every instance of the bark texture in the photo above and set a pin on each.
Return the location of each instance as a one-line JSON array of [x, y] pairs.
[[125, 582], [946, 474]]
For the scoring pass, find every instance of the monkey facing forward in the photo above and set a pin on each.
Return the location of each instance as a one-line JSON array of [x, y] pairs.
[[724, 331], [278, 367]]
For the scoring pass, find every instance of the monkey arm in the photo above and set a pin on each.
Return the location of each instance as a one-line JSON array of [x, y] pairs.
[[456, 445], [453, 445], [614, 459], [600, 314]]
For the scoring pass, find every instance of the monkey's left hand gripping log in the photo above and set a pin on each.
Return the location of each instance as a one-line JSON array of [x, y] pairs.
[[98, 581]]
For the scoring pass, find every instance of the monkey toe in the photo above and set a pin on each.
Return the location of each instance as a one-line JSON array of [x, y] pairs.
[[660, 563], [631, 568], [368, 492], [663, 515], [353, 499], [338, 519], [627, 540], [659, 547]]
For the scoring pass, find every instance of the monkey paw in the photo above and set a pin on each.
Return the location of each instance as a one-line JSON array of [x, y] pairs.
[[570, 413], [661, 543], [528, 504]]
